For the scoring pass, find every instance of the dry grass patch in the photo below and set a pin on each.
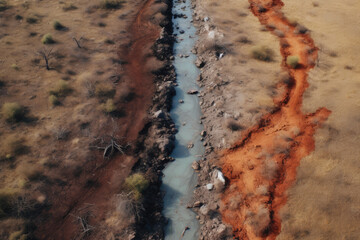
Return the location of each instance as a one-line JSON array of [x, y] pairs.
[[104, 91], [62, 89], [109, 106], [262, 53], [13, 112]]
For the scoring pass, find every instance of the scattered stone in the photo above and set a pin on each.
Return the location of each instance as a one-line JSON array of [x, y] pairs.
[[192, 91], [195, 165], [221, 229], [209, 186], [181, 31], [190, 145], [159, 114], [197, 204], [181, 101], [203, 133], [204, 210], [200, 63]]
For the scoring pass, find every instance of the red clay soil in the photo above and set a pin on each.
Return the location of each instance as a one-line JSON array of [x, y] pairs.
[[262, 165], [110, 175]]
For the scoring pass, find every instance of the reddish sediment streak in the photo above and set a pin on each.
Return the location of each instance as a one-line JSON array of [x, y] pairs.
[[262, 165]]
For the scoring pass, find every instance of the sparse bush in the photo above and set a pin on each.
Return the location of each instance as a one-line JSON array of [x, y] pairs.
[[58, 26], [18, 235], [262, 53], [13, 112], [47, 39], [235, 201], [109, 106], [32, 19], [292, 61], [112, 4], [137, 184], [69, 7], [233, 125], [31, 172], [15, 146], [53, 100], [18, 17], [7, 196], [3, 5], [61, 133], [61, 89], [104, 91]]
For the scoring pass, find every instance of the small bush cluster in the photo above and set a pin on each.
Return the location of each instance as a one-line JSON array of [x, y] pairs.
[[104, 91], [62, 89], [112, 4], [292, 61], [13, 112], [137, 184], [47, 39], [262, 53]]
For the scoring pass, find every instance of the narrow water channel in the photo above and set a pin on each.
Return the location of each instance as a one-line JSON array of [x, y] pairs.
[[179, 178]]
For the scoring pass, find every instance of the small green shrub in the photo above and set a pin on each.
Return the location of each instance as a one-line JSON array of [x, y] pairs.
[[3, 5], [53, 100], [109, 106], [61, 89], [18, 17], [292, 61], [69, 7], [15, 67], [137, 184], [47, 39], [104, 91], [13, 112], [262, 53], [58, 26], [112, 4]]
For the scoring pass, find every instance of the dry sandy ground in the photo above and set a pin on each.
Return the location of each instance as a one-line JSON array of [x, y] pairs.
[[324, 200]]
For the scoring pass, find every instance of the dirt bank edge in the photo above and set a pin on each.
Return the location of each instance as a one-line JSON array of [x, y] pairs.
[[156, 139]]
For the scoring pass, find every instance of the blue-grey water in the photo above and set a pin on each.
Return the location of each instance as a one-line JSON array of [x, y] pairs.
[[179, 178]]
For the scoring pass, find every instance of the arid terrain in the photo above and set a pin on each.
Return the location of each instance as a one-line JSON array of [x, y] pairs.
[[77, 82], [284, 134], [86, 91]]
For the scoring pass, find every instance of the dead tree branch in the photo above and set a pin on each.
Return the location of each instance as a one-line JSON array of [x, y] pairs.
[[46, 54], [78, 41]]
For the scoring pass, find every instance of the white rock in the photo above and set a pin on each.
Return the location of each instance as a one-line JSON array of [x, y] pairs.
[[209, 186]]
